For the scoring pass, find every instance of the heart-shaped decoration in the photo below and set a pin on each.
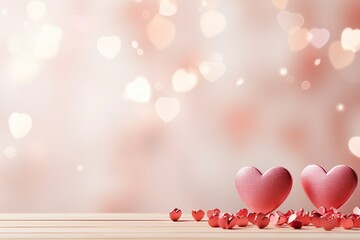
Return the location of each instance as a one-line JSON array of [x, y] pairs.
[[167, 8], [161, 32], [319, 37], [350, 39], [212, 23], [354, 146], [329, 189], [212, 71], [167, 108], [109, 46], [138, 90], [198, 215], [263, 192], [339, 57], [19, 124], [289, 21], [183, 81]]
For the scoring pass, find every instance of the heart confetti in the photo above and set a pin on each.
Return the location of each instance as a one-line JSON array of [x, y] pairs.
[[175, 214], [109, 46], [327, 219], [198, 215], [167, 108], [263, 192], [329, 189]]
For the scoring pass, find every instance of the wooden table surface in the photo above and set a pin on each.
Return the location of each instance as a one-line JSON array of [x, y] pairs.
[[144, 226]]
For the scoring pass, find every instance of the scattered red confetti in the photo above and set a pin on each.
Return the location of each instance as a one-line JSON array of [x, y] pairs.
[[175, 214], [214, 220], [211, 212], [198, 215], [227, 220], [328, 224], [262, 222], [296, 224], [252, 217], [243, 221], [327, 219], [347, 223]]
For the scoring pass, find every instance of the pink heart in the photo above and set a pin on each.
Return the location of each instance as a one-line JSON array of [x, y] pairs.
[[263, 192], [319, 37], [330, 189]]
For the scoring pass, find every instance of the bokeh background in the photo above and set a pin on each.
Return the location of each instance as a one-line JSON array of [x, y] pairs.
[[143, 106]]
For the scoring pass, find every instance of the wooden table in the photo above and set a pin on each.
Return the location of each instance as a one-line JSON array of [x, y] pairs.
[[144, 226]]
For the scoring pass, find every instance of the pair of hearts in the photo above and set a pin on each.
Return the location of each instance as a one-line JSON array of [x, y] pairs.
[[265, 192]]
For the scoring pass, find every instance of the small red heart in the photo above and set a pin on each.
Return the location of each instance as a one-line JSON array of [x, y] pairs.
[[252, 217], [175, 214], [357, 222], [242, 221], [331, 189], [296, 224], [227, 220], [321, 210], [262, 222], [263, 192], [316, 221], [214, 220], [274, 219], [211, 212], [328, 224], [242, 212], [198, 215], [347, 223], [306, 219]]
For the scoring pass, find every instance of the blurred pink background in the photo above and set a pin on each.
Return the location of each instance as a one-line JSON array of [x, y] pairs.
[[143, 106]]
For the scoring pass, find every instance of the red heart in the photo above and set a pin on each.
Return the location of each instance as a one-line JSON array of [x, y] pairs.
[[347, 223], [328, 224], [227, 220], [175, 214], [262, 222], [263, 192], [198, 215], [330, 189]]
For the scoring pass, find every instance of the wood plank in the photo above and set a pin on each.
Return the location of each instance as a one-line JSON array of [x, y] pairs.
[[144, 226]]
